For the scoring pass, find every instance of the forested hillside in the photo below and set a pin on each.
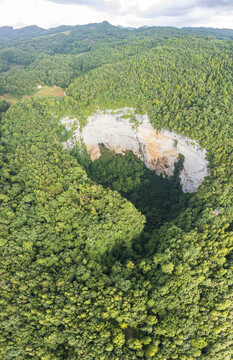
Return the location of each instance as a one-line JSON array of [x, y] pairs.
[[105, 259]]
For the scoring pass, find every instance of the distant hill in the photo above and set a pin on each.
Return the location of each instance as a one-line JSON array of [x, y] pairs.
[[217, 33], [8, 33]]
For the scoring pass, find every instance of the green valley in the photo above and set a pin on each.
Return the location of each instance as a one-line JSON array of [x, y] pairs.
[[106, 259]]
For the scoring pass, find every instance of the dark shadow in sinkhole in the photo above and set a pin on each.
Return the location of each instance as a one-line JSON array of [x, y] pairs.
[[159, 199]]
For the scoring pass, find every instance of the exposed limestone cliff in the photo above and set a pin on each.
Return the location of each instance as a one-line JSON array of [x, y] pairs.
[[158, 150]]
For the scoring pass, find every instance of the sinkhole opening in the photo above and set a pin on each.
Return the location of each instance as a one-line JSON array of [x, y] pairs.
[[159, 198]]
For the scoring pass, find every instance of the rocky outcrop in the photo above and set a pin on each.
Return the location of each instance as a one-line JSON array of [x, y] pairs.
[[123, 130]]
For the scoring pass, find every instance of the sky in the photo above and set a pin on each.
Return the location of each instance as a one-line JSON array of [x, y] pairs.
[[128, 13]]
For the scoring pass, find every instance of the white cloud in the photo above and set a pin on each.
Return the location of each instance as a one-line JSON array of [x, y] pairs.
[[46, 14], [49, 13]]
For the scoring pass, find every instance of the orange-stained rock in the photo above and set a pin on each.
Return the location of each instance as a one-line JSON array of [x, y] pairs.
[[158, 150]]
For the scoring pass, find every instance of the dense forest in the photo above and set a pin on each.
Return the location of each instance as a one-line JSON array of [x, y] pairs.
[[105, 259]]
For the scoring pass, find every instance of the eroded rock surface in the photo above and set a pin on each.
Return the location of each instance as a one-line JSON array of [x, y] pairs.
[[158, 150]]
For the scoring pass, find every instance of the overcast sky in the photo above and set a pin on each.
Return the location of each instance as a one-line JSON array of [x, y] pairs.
[[50, 13]]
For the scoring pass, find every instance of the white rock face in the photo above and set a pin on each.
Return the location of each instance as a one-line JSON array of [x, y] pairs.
[[158, 150]]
